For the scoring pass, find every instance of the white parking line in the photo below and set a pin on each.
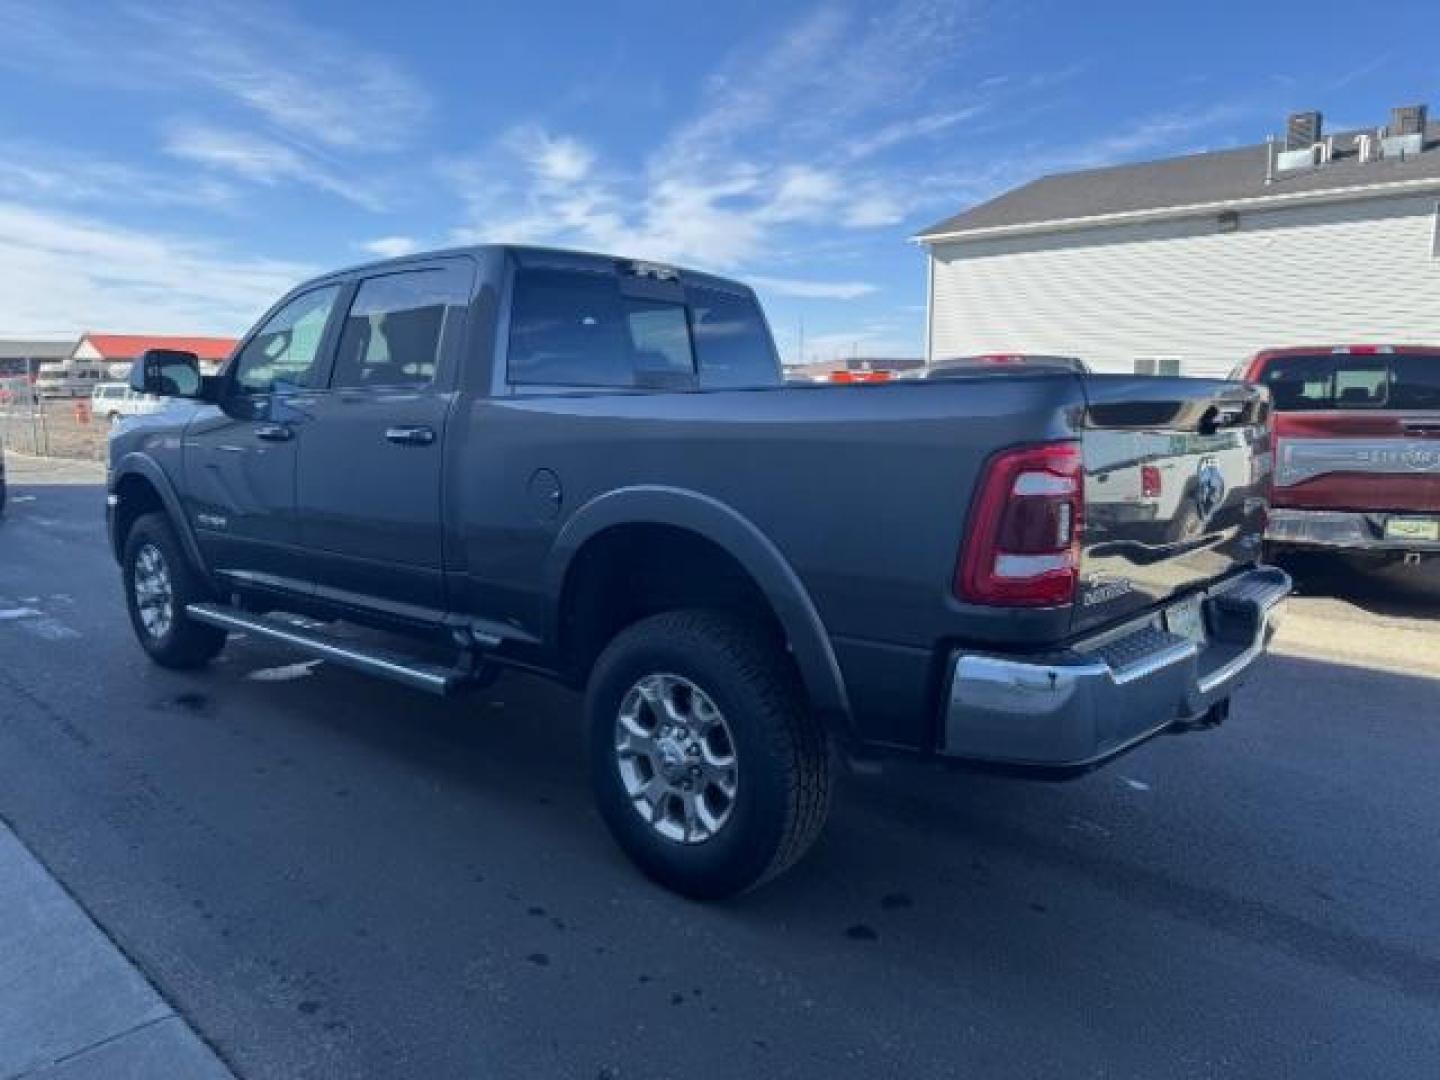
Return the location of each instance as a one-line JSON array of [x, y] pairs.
[[38, 623], [285, 673]]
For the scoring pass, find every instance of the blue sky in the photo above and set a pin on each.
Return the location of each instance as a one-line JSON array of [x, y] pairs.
[[175, 166]]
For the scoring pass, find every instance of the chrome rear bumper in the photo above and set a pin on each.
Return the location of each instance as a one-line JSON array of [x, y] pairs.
[[1093, 700], [1340, 529]]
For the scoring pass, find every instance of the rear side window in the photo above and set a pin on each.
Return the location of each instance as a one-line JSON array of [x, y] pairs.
[[1347, 381], [567, 329], [393, 330], [731, 341], [573, 328]]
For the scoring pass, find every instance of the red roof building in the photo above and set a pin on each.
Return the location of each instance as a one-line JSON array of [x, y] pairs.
[[123, 348]]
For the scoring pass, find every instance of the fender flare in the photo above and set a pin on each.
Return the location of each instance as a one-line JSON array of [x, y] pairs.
[[738, 537], [144, 466]]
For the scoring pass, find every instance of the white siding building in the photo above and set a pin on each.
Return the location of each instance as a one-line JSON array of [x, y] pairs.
[[1193, 264]]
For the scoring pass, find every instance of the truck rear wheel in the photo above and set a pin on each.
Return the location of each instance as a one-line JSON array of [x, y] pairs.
[[159, 584], [706, 764]]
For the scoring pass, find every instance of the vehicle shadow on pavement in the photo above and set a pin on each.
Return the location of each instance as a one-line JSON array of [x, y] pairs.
[[1394, 591], [943, 868]]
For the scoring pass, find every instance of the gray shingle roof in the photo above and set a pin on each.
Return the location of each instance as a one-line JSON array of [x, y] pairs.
[[1198, 179], [30, 349]]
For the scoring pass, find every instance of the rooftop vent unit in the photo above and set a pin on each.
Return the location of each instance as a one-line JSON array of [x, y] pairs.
[[1407, 120], [1404, 137], [1303, 146], [1302, 130]]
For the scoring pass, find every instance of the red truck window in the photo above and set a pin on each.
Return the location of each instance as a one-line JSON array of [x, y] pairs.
[[1347, 381]]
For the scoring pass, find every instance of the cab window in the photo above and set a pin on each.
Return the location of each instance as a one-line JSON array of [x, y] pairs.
[[284, 353], [393, 331]]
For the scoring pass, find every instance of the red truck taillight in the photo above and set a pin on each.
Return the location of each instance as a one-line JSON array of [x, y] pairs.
[[1024, 544], [1151, 486]]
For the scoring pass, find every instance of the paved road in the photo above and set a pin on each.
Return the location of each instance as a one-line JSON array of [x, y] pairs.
[[331, 876]]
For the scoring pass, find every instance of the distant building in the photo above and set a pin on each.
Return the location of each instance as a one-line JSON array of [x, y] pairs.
[[823, 368], [23, 357], [1192, 264], [116, 352]]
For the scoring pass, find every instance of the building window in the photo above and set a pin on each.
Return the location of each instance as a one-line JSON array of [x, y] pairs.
[[1157, 365]]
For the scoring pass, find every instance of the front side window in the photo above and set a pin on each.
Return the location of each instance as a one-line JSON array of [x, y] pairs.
[[285, 353], [393, 330]]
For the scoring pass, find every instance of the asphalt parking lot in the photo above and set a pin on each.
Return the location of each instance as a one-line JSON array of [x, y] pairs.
[[330, 876]]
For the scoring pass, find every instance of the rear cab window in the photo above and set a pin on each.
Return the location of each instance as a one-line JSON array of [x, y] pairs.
[[580, 328], [1349, 381]]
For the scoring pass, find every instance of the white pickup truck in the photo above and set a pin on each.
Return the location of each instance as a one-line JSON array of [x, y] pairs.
[[113, 400]]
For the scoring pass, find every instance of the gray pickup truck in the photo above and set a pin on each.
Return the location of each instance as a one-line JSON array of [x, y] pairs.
[[590, 467]]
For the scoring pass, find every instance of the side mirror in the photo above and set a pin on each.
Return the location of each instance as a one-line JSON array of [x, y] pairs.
[[166, 373]]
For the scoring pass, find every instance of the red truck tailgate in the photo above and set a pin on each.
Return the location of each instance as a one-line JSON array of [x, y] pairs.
[[1355, 461], [1356, 428]]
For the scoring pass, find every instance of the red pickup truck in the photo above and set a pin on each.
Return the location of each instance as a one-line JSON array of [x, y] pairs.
[[1357, 448]]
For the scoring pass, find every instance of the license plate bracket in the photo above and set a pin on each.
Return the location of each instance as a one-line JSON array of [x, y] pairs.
[[1412, 528], [1186, 619]]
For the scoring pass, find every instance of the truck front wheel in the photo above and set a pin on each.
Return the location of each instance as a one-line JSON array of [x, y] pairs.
[[706, 764], [159, 584]]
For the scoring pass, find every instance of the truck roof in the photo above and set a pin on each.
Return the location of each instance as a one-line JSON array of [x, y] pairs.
[[1354, 349], [560, 258]]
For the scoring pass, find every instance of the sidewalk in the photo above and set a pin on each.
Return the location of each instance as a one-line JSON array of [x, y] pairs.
[[72, 1007]]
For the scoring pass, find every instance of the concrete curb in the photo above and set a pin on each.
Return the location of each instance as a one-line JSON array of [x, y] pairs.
[[72, 1006]]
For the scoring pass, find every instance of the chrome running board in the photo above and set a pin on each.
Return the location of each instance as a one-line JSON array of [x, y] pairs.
[[361, 657]]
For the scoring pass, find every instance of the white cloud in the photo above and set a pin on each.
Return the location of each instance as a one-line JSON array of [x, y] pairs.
[[909, 129], [260, 160], [299, 77], [1168, 132], [873, 211], [391, 247], [302, 79], [811, 290], [559, 160], [63, 274], [762, 160], [31, 171]]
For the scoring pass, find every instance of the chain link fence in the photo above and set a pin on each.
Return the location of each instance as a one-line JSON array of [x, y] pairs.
[[53, 428]]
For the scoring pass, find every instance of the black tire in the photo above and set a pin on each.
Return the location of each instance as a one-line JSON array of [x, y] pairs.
[[182, 643], [782, 754]]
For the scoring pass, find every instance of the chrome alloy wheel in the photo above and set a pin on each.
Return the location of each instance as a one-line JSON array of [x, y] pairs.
[[154, 594], [676, 758]]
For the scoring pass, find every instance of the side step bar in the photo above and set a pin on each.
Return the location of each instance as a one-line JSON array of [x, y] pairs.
[[367, 658]]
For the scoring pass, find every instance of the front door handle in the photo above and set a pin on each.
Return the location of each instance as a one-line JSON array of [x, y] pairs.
[[274, 432], [411, 436]]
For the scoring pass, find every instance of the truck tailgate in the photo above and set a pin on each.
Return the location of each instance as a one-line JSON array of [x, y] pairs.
[[1176, 475], [1380, 461]]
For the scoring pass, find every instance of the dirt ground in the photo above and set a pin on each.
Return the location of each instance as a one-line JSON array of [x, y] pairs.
[[54, 430]]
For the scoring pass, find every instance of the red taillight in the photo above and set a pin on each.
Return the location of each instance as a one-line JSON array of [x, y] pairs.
[[1150, 483], [1025, 524]]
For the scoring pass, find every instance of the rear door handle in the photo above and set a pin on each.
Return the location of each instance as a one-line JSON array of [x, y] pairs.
[[274, 432], [411, 436]]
